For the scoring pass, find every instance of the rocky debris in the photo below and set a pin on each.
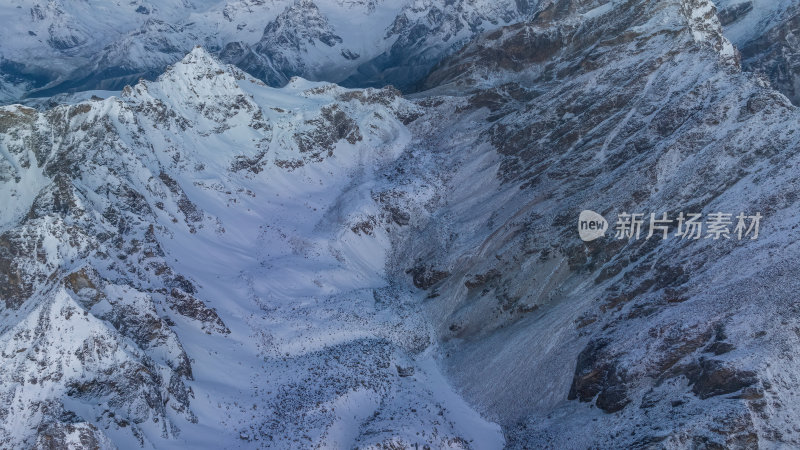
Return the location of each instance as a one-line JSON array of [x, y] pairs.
[[254, 164], [188, 306], [332, 126], [405, 371], [482, 279], [425, 277], [82, 435], [185, 206], [597, 378], [84, 284], [710, 377]]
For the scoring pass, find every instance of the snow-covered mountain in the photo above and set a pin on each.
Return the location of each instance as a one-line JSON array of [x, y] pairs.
[[207, 261], [369, 44], [200, 262], [62, 46]]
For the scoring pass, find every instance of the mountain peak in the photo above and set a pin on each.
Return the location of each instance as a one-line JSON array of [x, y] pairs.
[[198, 75], [196, 64], [199, 54]]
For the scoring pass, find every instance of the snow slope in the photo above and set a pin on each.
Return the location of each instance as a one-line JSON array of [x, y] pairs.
[[210, 272]]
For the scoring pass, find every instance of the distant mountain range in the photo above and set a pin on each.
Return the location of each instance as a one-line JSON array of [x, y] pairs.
[[61, 46]]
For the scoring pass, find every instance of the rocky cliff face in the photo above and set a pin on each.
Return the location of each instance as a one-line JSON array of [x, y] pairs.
[[765, 32], [616, 108]]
